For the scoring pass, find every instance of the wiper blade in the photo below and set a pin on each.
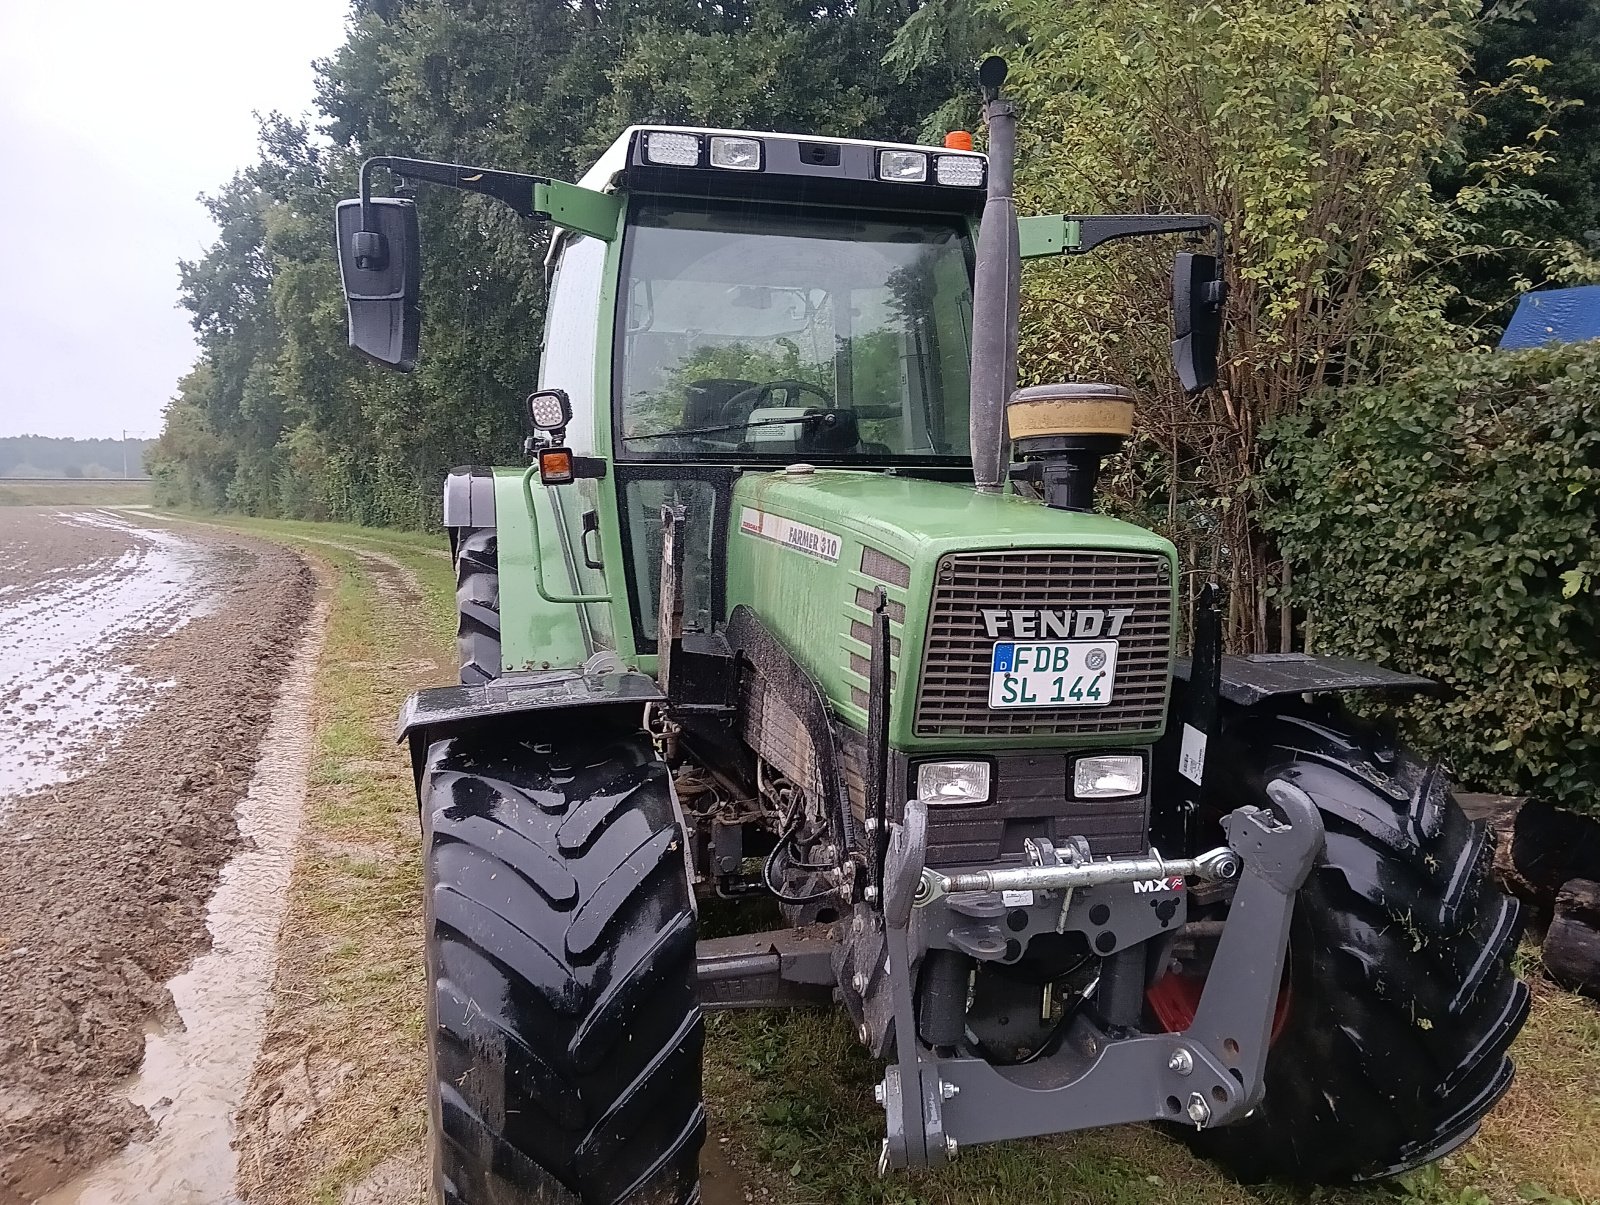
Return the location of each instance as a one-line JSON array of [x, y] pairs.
[[827, 417]]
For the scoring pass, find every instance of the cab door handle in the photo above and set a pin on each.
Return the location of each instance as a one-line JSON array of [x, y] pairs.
[[591, 527]]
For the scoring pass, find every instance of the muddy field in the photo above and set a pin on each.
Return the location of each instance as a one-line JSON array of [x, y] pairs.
[[139, 667]]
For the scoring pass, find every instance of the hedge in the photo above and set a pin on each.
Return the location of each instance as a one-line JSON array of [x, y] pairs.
[[1448, 524]]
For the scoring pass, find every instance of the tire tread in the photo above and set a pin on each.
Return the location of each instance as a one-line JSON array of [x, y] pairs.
[[1404, 1003], [553, 1081]]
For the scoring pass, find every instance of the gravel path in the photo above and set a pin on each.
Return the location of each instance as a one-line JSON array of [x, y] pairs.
[[138, 669]]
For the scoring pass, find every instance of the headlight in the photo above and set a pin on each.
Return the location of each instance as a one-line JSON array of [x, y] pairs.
[[736, 154], [674, 150], [1107, 777], [953, 782], [903, 167]]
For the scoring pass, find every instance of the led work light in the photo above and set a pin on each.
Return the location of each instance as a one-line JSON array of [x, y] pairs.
[[961, 171], [672, 150], [549, 409]]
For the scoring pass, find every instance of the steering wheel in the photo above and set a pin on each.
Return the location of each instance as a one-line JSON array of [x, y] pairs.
[[743, 404]]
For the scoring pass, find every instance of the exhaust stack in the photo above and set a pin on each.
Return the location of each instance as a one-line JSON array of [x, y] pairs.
[[996, 281]]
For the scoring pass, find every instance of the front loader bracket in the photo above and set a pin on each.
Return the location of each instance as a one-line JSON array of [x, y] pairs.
[[1210, 1074]]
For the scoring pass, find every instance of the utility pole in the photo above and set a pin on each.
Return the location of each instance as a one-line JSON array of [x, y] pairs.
[[124, 453]]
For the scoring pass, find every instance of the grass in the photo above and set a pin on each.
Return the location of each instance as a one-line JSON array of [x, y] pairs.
[[793, 1094], [75, 491], [790, 1095]]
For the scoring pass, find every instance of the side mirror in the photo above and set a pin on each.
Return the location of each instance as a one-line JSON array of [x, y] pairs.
[[381, 271], [1197, 295]]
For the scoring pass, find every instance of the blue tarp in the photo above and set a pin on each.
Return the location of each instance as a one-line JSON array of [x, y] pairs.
[[1554, 316]]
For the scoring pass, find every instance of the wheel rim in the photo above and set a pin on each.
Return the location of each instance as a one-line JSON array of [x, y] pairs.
[[1174, 999]]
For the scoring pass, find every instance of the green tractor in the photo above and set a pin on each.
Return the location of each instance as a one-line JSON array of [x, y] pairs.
[[801, 605]]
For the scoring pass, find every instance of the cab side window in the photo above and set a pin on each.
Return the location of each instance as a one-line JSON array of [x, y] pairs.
[[571, 328]]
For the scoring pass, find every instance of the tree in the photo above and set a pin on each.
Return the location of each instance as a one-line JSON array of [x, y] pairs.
[[303, 427], [1311, 130], [1560, 40]]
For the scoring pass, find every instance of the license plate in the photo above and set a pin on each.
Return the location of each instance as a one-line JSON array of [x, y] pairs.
[[1055, 673]]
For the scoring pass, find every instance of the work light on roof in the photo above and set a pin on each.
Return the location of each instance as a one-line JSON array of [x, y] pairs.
[[736, 154], [672, 150], [961, 171], [903, 167]]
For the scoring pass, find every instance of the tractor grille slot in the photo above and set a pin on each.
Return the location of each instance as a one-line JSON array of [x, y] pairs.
[[953, 697]]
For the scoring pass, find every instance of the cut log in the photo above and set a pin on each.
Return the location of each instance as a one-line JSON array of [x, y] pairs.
[[1538, 847], [1572, 943]]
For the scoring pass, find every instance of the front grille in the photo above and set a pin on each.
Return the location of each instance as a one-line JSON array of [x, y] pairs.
[[953, 698]]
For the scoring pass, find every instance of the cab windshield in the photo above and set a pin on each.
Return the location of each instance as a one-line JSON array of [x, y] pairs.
[[749, 333]]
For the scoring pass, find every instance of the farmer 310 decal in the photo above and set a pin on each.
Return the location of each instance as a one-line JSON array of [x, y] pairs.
[[802, 600]]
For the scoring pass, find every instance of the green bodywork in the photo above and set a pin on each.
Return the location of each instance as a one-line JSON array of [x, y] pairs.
[[808, 602], [811, 602]]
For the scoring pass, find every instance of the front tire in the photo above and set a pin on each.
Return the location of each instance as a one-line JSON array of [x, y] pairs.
[[1400, 1002], [477, 552], [564, 1034]]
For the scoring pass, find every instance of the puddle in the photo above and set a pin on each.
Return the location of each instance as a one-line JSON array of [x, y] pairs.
[[194, 1078], [62, 693], [720, 1182]]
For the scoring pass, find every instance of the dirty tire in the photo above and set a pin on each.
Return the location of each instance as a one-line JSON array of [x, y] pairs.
[[1402, 1001], [478, 604], [564, 1033]]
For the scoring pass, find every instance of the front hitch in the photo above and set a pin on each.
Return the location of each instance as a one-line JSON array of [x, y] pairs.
[[1210, 1074]]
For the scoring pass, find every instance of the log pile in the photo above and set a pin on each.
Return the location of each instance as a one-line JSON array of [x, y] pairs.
[[1550, 859]]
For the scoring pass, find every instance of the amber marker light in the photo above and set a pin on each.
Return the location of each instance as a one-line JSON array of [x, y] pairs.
[[958, 140], [555, 466]]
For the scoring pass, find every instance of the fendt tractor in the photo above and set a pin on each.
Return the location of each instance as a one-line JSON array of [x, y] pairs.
[[801, 608]]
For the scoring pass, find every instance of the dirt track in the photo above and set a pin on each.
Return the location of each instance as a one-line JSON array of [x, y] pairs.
[[138, 668]]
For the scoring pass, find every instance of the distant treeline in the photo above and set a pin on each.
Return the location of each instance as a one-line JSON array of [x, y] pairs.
[[45, 456]]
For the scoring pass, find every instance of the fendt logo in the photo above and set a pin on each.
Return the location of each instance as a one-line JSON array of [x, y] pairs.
[[1145, 886], [1081, 623]]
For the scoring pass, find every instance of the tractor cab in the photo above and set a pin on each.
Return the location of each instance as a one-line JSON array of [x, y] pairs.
[[771, 300], [778, 297]]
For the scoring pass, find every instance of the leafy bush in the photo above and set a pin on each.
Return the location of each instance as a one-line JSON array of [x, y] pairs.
[[1449, 524]]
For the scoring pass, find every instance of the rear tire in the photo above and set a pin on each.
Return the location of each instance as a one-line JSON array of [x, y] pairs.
[[477, 552], [564, 1034], [1401, 1000]]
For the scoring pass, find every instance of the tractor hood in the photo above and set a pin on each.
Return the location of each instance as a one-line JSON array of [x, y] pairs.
[[912, 518], [808, 550]]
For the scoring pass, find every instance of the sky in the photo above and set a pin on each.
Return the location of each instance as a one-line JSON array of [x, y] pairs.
[[114, 116]]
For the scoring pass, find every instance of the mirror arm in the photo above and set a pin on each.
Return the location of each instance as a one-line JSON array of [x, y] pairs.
[[1075, 234], [567, 205], [510, 188]]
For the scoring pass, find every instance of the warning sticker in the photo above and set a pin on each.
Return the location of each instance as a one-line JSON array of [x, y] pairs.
[[797, 537], [1192, 757]]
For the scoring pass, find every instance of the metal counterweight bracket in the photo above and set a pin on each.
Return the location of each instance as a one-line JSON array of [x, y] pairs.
[[1210, 1074]]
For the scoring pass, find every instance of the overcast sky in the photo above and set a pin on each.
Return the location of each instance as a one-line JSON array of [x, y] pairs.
[[114, 115]]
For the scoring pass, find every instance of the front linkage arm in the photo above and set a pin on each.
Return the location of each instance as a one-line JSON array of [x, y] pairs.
[[1210, 1074]]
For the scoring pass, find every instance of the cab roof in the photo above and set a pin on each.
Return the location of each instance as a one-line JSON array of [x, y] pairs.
[[797, 167]]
